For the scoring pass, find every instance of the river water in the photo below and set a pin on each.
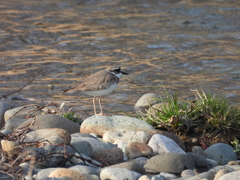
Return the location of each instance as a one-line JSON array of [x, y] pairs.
[[175, 44]]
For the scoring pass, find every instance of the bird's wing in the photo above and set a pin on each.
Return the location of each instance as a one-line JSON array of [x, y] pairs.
[[98, 81]]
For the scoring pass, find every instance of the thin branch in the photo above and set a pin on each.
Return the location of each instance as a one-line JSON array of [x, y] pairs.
[[6, 95]]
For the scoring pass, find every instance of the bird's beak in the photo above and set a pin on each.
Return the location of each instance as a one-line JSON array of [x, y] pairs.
[[124, 73]]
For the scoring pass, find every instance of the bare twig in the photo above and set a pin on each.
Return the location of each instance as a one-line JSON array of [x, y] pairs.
[[6, 95], [197, 174]]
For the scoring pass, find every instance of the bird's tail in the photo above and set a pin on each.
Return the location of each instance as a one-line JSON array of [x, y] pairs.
[[71, 90]]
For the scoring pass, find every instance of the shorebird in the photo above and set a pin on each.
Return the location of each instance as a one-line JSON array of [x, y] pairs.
[[99, 84]]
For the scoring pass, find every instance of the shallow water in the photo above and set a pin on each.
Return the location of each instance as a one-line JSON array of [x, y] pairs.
[[179, 45]]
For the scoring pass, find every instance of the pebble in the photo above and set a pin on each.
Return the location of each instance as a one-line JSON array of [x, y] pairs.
[[162, 144], [48, 136], [45, 172], [204, 175], [169, 135], [83, 169], [96, 144], [222, 153], [75, 175], [109, 156], [130, 165], [4, 106], [169, 162], [52, 121], [122, 135], [135, 149], [22, 112], [129, 149], [13, 123], [9, 147], [119, 174], [188, 173], [54, 155], [200, 161], [230, 176], [101, 124], [145, 102], [220, 173]]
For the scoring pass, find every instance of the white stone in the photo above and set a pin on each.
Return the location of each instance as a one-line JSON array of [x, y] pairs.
[[95, 143], [168, 175], [147, 99], [100, 124], [118, 174], [122, 146], [117, 136], [162, 144]]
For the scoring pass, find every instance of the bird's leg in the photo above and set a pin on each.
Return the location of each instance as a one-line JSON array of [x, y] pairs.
[[100, 105], [94, 105]]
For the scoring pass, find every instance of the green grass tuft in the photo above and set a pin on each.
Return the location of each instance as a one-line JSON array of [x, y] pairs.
[[205, 114], [70, 115]]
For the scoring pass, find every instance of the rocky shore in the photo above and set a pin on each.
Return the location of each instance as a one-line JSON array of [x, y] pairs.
[[47, 146]]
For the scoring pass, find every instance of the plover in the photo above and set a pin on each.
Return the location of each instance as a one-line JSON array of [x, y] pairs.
[[99, 84]]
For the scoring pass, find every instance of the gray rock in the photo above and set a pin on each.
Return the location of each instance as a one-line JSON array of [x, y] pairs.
[[95, 143], [145, 101], [45, 172], [48, 136], [156, 177], [109, 156], [101, 124], [4, 106], [200, 161], [227, 167], [5, 131], [222, 153], [141, 160], [53, 156], [23, 112], [13, 123], [5, 176], [211, 163], [52, 121], [169, 162], [82, 147], [159, 177], [199, 150], [78, 134], [85, 169], [17, 98], [133, 166], [25, 166]]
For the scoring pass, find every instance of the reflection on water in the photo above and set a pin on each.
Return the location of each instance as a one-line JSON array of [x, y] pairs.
[[179, 44]]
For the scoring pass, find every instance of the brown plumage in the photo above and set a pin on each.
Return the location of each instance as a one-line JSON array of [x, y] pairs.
[[98, 81], [99, 84]]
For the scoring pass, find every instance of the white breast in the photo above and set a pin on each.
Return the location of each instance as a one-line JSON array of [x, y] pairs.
[[101, 92]]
